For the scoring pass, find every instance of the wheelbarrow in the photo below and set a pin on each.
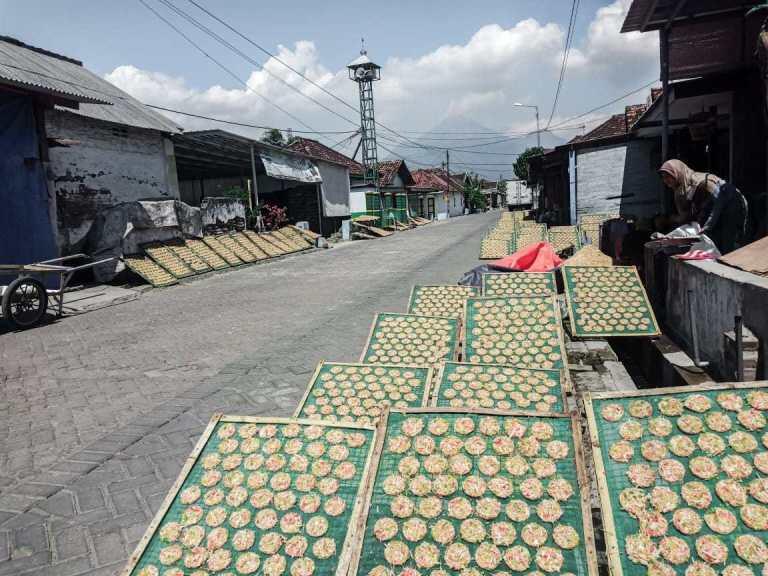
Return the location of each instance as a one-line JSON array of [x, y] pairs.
[[25, 300]]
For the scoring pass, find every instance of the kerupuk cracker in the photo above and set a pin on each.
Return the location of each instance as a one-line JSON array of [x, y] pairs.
[[446, 301], [685, 480], [361, 392], [475, 493], [519, 284], [524, 331], [411, 339], [263, 496], [608, 301], [499, 387]]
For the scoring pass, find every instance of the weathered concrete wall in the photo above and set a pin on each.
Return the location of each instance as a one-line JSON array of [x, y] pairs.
[[626, 170], [192, 192], [106, 164], [222, 214], [719, 293]]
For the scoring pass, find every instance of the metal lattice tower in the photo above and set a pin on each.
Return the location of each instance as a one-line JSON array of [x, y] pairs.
[[365, 72]]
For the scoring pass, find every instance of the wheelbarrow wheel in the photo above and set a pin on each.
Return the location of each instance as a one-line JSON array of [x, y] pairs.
[[25, 302]]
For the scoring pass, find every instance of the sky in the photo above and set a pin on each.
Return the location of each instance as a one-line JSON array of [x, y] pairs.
[[441, 60]]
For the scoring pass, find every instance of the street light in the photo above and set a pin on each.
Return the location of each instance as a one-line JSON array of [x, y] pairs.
[[538, 130]]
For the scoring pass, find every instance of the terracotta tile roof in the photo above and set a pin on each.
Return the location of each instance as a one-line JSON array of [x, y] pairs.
[[315, 149], [430, 178], [388, 170], [616, 125]]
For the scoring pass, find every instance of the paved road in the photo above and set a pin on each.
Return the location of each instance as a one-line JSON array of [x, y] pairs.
[[98, 411]]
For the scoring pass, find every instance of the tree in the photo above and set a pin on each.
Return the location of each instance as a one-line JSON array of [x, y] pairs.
[[273, 136], [474, 199], [521, 164]]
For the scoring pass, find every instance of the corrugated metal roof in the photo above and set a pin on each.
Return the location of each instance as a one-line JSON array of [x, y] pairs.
[[42, 71], [645, 15]]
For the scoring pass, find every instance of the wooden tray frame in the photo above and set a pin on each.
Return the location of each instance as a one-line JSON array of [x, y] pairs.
[[215, 244], [144, 276], [189, 272], [424, 400], [198, 246], [607, 512], [245, 243], [567, 384], [413, 293], [482, 282], [181, 245], [563, 392], [454, 354], [555, 231], [348, 548], [577, 333], [578, 456], [229, 242]]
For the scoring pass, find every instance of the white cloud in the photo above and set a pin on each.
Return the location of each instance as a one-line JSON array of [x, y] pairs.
[[608, 51], [480, 79]]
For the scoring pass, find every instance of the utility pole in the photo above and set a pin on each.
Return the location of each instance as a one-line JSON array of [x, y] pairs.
[[448, 173]]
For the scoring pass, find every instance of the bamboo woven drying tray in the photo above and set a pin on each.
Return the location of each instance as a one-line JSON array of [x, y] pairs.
[[204, 251], [149, 270], [217, 246]]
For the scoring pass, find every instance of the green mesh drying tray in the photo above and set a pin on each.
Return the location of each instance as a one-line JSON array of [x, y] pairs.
[[360, 393], [519, 284], [447, 301], [690, 464], [262, 496], [608, 301], [498, 387], [449, 494], [411, 339], [521, 331]]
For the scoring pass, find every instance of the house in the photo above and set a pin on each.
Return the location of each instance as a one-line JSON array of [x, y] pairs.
[[613, 171], [77, 144], [712, 113], [215, 163], [394, 181], [439, 197]]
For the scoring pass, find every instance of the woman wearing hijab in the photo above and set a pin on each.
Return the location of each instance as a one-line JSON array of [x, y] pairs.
[[716, 205]]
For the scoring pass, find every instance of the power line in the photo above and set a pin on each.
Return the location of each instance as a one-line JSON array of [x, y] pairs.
[[566, 53], [292, 69], [607, 104], [247, 125], [206, 30], [222, 66]]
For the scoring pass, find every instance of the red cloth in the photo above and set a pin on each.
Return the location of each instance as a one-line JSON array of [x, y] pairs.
[[539, 257]]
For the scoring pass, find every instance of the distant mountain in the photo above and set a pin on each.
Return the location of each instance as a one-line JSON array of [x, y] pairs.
[[469, 142]]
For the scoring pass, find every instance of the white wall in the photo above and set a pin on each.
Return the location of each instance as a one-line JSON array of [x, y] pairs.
[[627, 170], [357, 198], [456, 204], [106, 164]]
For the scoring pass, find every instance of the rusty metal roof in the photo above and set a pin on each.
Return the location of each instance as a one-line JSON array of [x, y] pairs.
[[37, 70], [645, 15]]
